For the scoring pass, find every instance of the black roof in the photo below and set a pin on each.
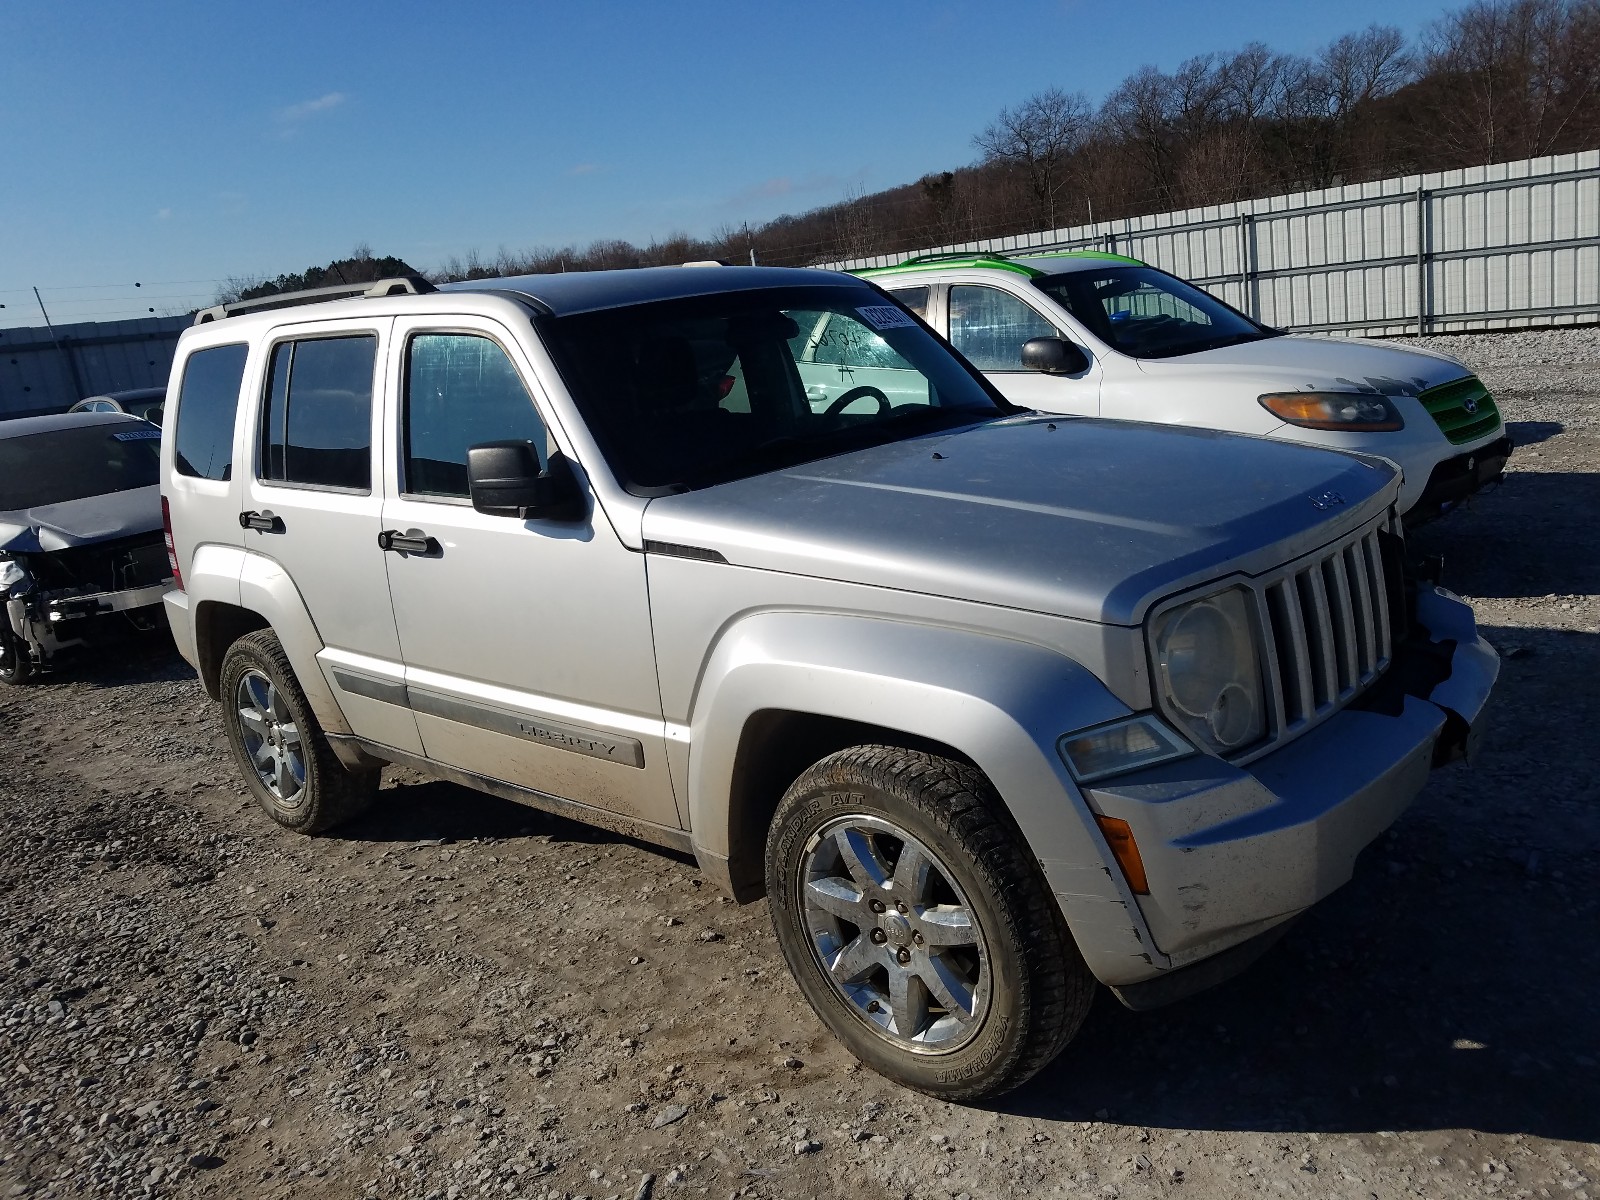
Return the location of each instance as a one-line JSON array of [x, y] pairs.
[[50, 422], [588, 291]]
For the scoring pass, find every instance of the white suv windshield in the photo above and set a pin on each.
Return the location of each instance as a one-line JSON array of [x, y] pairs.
[[687, 393], [1146, 313]]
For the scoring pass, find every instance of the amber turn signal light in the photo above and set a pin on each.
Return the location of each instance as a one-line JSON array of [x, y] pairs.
[[1126, 851]]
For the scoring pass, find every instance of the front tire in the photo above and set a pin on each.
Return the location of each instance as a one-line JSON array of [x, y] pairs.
[[285, 758], [918, 926], [16, 667]]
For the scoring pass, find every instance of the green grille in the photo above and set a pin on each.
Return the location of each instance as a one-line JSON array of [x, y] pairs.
[[1463, 409]]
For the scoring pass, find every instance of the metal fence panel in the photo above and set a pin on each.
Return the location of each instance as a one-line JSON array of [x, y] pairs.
[[43, 372], [1505, 246]]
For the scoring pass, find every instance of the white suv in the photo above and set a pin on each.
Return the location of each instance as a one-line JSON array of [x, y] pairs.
[[1104, 335], [980, 710]]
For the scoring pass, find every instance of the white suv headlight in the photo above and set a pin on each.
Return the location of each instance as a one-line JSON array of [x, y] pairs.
[[1208, 673]]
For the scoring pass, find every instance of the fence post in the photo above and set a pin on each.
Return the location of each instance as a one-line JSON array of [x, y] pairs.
[[1422, 261], [1247, 266]]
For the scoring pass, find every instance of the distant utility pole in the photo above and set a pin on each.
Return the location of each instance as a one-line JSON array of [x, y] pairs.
[[47, 324], [72, 363]]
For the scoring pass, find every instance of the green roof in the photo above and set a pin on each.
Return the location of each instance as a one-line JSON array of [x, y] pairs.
[[1102, 255], [940, 262], [994, 261]]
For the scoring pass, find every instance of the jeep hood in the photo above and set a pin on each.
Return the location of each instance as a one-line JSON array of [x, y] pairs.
[[1297, 362], [1078, 517], [81, 522]]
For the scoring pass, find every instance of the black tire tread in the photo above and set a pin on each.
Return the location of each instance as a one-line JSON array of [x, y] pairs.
[[21, 670], [340, 794], [960, 800]]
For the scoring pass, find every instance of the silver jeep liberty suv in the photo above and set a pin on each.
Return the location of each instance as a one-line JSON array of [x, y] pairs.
[[990, 706]]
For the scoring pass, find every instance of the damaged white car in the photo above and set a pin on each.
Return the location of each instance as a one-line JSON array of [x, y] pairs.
[[80, 533]]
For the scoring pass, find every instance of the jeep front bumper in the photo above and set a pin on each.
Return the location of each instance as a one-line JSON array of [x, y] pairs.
[[1231, 852]]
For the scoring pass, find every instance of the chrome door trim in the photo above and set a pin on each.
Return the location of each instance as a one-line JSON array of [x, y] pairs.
[[580, 739]]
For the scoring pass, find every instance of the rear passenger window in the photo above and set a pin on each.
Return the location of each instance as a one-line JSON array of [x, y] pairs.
[[208, 398], [318, 423], [914, 298], [461, 391]]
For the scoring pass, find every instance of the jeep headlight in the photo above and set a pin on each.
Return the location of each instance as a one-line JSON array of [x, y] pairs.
[[1208, 673]]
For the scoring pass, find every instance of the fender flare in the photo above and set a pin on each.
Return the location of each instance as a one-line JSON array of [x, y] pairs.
[[254, 583], [1002, 703], [265, 587]]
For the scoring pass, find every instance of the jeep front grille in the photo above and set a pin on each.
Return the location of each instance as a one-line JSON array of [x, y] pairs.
[[1463, 409], [1328, 632]]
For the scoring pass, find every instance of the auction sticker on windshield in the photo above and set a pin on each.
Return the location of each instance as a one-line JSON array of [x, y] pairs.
[[885, 316]]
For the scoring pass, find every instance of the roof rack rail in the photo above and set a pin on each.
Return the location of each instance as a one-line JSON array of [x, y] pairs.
[[927, 258], [398, 285]]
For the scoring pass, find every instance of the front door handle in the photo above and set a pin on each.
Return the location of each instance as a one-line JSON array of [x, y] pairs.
[[265, 521], [412, 541]]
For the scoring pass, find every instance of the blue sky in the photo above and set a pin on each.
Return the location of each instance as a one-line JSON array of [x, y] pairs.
[[180, 144]]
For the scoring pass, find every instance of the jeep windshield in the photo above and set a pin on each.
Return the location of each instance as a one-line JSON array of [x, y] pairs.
[[683, 394], [69, 464], [1147, 313]]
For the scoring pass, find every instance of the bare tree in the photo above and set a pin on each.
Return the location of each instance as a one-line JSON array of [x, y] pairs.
[[854, 235], [1038, 137], [1361, 67], [1139, 113], [1525, 74], [938, 192], [1252, 82]]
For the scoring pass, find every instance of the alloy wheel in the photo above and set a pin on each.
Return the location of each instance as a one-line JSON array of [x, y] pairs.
[[894, 934], [271, 738]]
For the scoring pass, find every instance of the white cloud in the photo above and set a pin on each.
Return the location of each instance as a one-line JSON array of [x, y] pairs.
[[163, 214], [291, 118], [780, 186], [587, 168]]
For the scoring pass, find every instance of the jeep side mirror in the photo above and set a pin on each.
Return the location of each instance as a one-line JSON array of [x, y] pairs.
[[505, 480], [1054, 356]]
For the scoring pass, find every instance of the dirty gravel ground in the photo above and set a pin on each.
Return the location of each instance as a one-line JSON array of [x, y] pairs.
[[460, 997]]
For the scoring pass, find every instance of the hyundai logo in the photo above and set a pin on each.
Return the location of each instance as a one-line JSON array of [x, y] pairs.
[[1470, 404], [1326, 501]]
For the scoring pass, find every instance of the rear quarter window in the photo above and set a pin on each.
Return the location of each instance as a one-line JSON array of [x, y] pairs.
[[208, 400]]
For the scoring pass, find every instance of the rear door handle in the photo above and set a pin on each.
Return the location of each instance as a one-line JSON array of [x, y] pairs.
[[264, 520], [412, 541]]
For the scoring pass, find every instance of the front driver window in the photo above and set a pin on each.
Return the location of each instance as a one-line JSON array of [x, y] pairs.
[[989, 327], [461, 391]]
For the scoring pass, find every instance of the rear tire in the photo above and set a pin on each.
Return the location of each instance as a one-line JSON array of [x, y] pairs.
[[285, 758], [918, 925]]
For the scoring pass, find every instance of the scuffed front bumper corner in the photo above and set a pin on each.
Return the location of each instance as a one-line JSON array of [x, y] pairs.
[[1474, 668], [1232, 853]]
